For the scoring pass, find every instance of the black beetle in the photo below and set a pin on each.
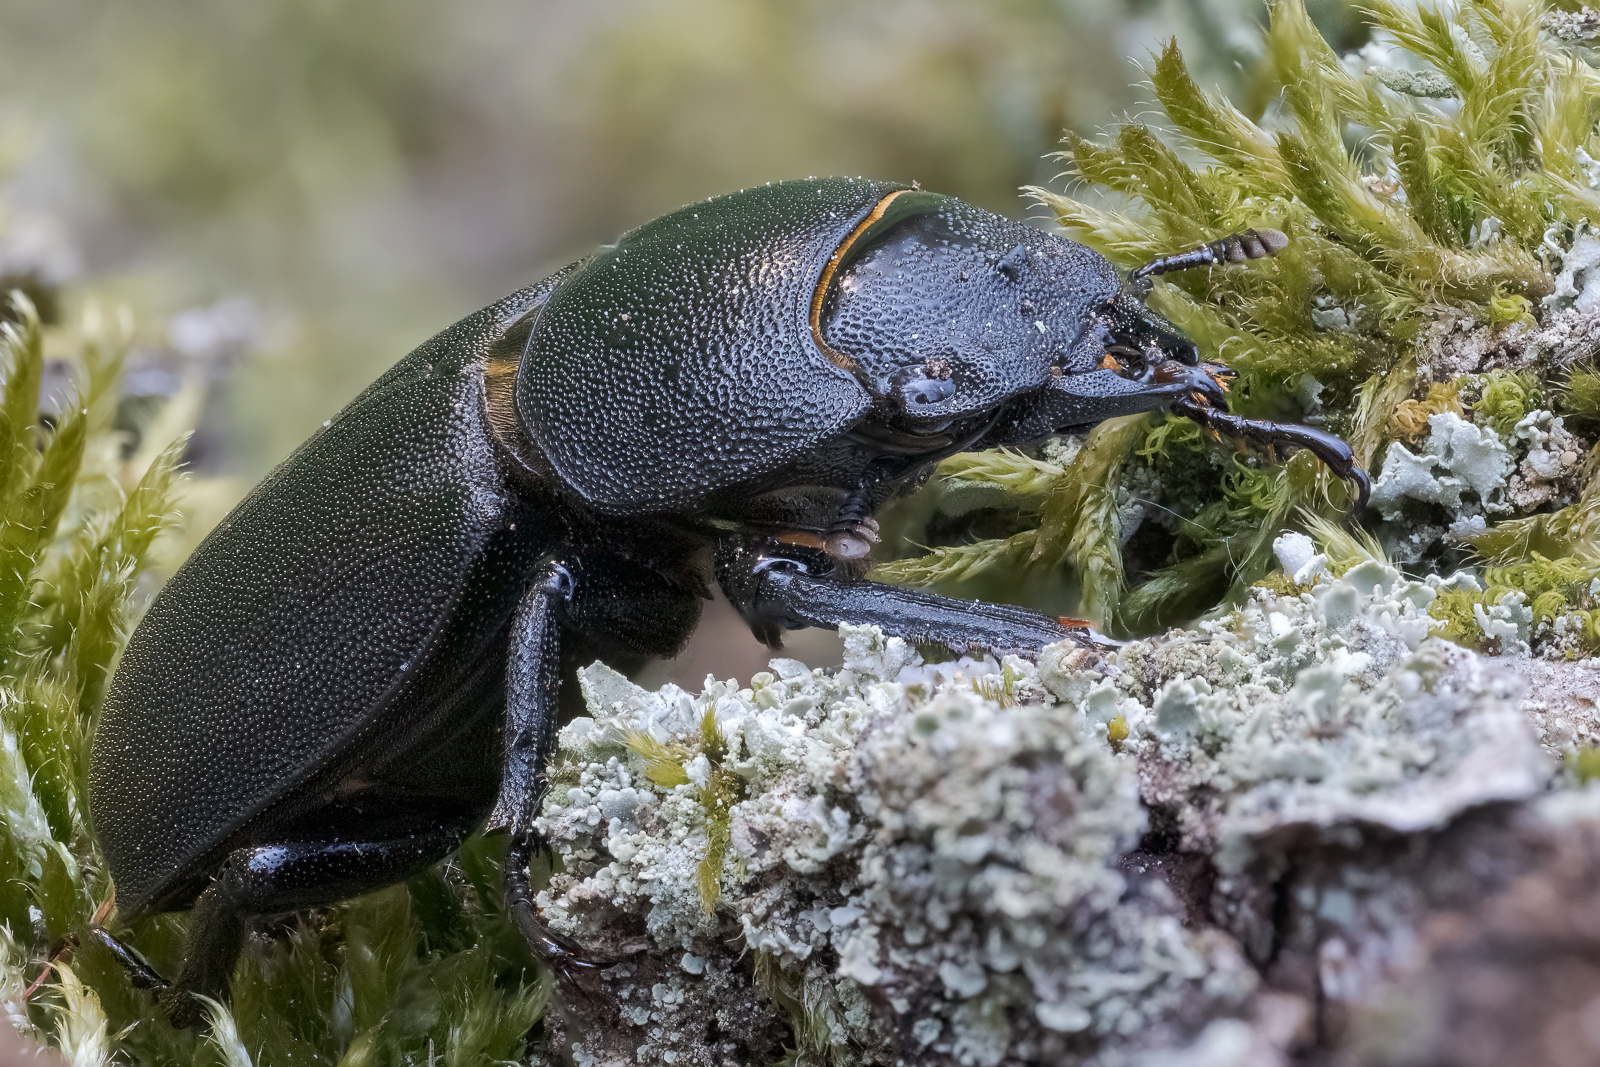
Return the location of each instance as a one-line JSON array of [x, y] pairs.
[[361, 664]]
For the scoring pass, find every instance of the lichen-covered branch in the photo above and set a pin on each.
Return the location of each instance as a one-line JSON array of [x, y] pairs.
[[1095, 859]]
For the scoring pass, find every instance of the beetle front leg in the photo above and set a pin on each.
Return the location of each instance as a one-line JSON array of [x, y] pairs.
[[779, 587], [533, 682], [1333, 451], [1075, 402]]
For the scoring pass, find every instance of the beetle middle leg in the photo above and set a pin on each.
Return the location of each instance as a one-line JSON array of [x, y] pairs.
[[630, 607], [779, 587], [533, 683]]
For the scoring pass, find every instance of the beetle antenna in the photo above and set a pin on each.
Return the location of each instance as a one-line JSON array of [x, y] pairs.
[[1235, 248]]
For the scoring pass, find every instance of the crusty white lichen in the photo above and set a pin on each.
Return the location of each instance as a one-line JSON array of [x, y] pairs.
[[1328, 707], [1003, 863], [938, 845], [1550, 474], [1467, 474], [1461, 467]]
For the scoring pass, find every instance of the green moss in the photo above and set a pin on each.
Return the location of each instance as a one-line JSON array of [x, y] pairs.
[[1579, 402], [1454, 619], [1344, 544], [1503, 398], [813, 1010], [1552, 589], [1553, 559], [1410, 418], [1078, 524], [723, 789], [429, 972], [1585, 763], [1227, 545], [663, 763], [1000, 688], [666, 765], [1402, 214], [1281, 584]]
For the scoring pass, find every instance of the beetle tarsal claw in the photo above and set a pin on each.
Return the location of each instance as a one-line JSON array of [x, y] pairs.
[[561, 955], [1221, 375], [852, 540], [140, 973], [1338, 456]]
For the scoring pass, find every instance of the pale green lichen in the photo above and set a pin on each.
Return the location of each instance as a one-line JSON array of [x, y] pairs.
[[981, 833], [925, 868], [1461, 468]]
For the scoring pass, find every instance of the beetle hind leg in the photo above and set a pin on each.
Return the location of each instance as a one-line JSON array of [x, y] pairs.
[[264, 879]]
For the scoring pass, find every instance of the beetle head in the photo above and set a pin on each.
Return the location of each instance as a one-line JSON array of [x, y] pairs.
[[947, 313], [951, 317]]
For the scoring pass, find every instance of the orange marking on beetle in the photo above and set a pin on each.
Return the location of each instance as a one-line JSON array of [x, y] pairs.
[[803, 538], [834, 355], [499, 384], [1110, 362]]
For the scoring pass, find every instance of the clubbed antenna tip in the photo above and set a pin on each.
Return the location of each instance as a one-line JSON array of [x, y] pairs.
[[1235, 248]]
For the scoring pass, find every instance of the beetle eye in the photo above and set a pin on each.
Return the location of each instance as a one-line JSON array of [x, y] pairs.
[[916, 387], [928, 391]]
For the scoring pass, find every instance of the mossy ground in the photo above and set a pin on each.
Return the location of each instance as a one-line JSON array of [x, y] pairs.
[[1432, 187]]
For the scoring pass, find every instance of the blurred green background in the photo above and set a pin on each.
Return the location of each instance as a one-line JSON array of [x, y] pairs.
[[293, 193]]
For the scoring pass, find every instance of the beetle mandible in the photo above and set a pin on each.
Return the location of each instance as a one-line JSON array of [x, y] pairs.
[[361, 664]]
